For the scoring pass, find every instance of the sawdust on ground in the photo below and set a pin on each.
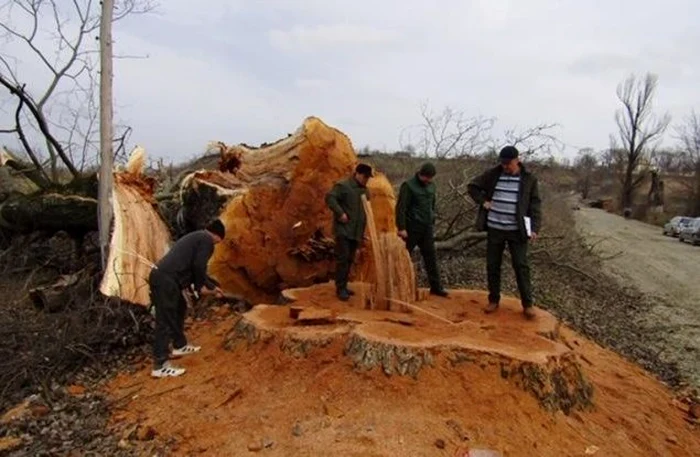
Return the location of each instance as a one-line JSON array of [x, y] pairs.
[[260, 397]]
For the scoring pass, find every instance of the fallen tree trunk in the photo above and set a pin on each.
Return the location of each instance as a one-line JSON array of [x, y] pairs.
[[458, 241], [272, 202], [49, 212]]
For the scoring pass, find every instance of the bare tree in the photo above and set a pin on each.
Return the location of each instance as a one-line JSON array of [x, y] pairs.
[[688, 134], [585, 164], [639, 131], [60, 37], [447, 134]]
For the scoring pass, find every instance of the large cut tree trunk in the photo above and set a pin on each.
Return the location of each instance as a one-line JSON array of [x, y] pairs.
[[140, 237], [272, 202]]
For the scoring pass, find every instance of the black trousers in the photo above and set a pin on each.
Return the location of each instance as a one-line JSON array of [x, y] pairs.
[[345, 250], [424, 238], [495, 245], [171, 308]]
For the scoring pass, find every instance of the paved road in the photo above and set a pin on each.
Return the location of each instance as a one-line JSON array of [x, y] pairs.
[[658, 266]]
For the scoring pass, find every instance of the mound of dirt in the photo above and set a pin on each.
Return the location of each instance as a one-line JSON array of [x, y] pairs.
[[320, 377]]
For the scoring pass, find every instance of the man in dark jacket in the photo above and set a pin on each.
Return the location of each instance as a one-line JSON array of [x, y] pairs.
[[509, 210], [415, 219], [183, 267], [349, 221]]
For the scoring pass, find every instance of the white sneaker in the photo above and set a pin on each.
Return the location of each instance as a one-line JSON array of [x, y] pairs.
[[186, 350], [167, 370]]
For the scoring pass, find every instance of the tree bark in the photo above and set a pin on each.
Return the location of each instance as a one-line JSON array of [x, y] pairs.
[[50, 212]]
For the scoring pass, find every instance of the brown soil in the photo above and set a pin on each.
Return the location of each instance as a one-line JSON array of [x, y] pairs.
[[301, 390]]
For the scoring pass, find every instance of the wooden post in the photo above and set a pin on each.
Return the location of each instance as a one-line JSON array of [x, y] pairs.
[[106, 177]]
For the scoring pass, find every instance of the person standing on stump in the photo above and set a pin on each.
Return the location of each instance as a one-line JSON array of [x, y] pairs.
[[349, 221], [183, 267], [415, 221], [509, 211]]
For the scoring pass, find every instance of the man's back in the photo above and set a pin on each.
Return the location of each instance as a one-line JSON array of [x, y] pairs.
[[187, 256]]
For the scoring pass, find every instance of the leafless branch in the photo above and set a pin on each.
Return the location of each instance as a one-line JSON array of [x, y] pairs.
[[448, 134], [534, 140], [69, 26]]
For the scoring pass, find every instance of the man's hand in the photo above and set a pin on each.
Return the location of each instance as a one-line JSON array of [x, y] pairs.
[[533, 236], [344, 218], [403, 234], [216, 292], [487, 205]]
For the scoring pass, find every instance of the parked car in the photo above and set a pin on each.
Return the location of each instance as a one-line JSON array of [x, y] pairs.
[[691, 232], [674, 226]]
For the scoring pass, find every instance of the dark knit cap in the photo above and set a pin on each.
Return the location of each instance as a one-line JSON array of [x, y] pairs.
[[364, 169], [217, 228], [508, 153], [427, 169]]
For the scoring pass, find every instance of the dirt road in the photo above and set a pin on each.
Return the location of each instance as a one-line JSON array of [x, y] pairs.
[[660, 267]]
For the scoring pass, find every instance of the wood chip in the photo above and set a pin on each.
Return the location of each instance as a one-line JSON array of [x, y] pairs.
[[315, 316]]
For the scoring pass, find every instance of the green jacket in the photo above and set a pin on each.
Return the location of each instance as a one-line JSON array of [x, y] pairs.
[[346, 197], [415, 208], [482, 187]]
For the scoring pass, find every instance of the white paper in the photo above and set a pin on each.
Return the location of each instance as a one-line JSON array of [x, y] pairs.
[[528, 226]]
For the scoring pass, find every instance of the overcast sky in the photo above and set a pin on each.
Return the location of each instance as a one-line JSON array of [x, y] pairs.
[[250, 71]]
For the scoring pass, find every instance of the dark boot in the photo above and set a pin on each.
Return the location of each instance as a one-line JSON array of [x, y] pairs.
[[439, 292], [529, 313], [491, 308], [343, 295]]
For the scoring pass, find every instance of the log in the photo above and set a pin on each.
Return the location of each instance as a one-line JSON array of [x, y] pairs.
[[49, 212], [55, 297]]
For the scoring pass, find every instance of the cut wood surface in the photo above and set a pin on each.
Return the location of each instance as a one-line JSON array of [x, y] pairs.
[[139, 237]]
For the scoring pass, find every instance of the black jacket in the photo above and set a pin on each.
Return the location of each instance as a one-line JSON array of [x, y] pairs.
[[415, 208], [482, 187], [186, 262]]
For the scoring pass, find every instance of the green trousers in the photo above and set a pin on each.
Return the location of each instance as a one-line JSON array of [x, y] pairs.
[[496, 243]]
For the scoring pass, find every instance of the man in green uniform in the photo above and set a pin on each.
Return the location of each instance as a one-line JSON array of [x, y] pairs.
[[349, 221], [415, 220]]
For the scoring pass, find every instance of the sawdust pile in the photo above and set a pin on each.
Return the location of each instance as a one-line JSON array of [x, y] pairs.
[[139, 238]]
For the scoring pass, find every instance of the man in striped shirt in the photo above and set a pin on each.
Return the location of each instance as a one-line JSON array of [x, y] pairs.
[[509, 211]]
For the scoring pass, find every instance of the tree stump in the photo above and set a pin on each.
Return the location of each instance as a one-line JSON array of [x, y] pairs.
[[527, 354]]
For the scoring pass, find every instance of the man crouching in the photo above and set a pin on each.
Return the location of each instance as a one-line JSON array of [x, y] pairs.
[[185, 265]]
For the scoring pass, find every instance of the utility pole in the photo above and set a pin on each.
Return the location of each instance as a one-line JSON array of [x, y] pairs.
[[106, 178]]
